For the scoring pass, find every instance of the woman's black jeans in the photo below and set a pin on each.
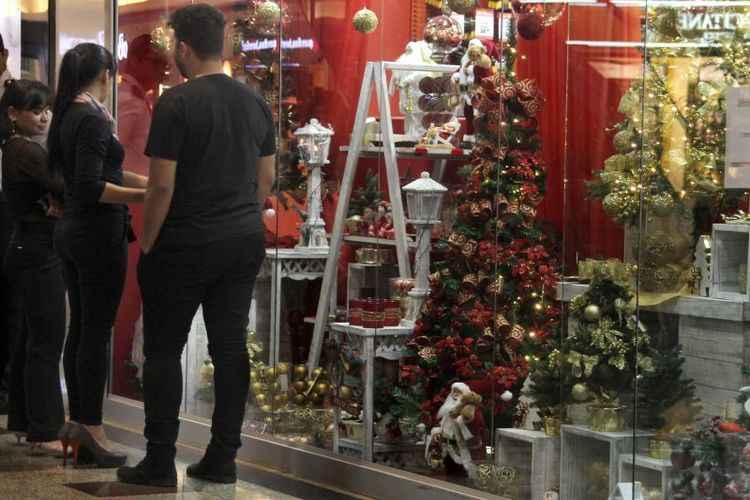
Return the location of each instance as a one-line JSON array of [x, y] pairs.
[[94, 255], [35, 403]]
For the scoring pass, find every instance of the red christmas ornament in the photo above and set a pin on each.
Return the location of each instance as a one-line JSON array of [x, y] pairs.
[[530, 26]]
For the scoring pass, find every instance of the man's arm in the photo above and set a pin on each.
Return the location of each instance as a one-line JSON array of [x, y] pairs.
[[158, 199], [266, 177]]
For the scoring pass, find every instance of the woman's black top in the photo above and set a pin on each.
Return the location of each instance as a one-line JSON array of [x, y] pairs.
[[91, 157], [27, 180]]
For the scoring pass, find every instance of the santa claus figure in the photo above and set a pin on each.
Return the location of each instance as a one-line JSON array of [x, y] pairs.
[[450, 443], [476, 64]]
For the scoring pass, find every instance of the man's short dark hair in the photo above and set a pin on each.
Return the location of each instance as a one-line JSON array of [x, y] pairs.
[[201, 26]]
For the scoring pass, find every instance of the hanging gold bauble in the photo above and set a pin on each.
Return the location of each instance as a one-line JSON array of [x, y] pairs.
[[261, 398], [365, 21], [300, 371], [462, 7], [266, 408], [257, 387], [318, 372], [254, 374], [321, 389], [282, 368], [345, 393], [268, 13], [271, 372], [299, 386], [580, 392]]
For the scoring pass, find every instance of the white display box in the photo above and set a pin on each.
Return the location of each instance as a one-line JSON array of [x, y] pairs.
[[536, 457], [581, 447], [650, 472], [730, 259]]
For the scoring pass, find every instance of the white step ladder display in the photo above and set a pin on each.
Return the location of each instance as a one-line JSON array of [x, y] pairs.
[[375, 76]]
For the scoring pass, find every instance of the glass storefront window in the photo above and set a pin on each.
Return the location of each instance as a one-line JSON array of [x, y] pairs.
[[578, 330]]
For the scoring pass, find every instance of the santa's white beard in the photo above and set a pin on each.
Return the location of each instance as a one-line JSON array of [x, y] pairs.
[[451, 403]]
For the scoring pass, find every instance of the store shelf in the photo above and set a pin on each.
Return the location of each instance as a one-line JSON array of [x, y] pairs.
[[386, 331], [368, 240], [410, 153], [536, 457], [688, 305], [646, 462]]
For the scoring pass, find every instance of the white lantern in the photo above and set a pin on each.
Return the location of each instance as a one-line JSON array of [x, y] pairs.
[[424, 197], [314, 143]]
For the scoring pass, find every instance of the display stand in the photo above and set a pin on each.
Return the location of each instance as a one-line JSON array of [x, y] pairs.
[[387, 343], [581, 447], [297, 264], [536, 457], [375, 76], [651, 472]]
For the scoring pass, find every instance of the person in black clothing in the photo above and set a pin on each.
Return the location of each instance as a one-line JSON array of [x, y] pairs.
[[212, 147], [9, 308], [92, 235], [35, 403]]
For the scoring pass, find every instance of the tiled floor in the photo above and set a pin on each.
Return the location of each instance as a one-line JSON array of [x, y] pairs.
[[23, 476]]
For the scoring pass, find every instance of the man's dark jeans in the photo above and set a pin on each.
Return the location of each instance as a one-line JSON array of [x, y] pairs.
[[174, 282]]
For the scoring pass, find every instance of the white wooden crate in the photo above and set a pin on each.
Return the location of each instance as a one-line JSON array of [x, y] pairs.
[[729, 265], [581, 447], [650, 472], [534, 455]]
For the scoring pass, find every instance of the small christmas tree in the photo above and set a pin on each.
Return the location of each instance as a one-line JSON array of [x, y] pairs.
[[367, 196], [666, 398], [550, 386], [607, 347]]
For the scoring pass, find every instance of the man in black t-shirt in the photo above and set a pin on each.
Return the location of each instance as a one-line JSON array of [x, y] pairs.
[[212, 149]]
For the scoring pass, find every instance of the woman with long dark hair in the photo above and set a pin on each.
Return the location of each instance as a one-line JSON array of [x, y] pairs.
[[92, 235], [35, 406]]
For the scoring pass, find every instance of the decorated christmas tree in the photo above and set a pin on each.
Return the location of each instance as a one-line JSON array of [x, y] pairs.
[[606, 347], [492, 302]]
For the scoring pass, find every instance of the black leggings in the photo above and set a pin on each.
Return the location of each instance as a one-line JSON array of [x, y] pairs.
[[35, 401], [94, 265]]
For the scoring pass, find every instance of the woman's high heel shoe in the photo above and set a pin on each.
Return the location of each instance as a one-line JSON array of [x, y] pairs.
[[81, 439]]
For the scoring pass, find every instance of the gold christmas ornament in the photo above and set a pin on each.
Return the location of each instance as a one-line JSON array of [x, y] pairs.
[[321, 389], [580, 392], [365, 21], [345, 393], [282, 368], [261, 398], [300, 399], [266, 408], [462, 7], [257, 387], [254, 374], [592, 313], [268, 420], [299, 386], [270, 372], [268, 13], [300, 371], [276, 386]]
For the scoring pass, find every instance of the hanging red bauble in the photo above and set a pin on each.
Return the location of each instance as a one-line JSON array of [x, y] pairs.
[[529, 26], [548, 12]]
